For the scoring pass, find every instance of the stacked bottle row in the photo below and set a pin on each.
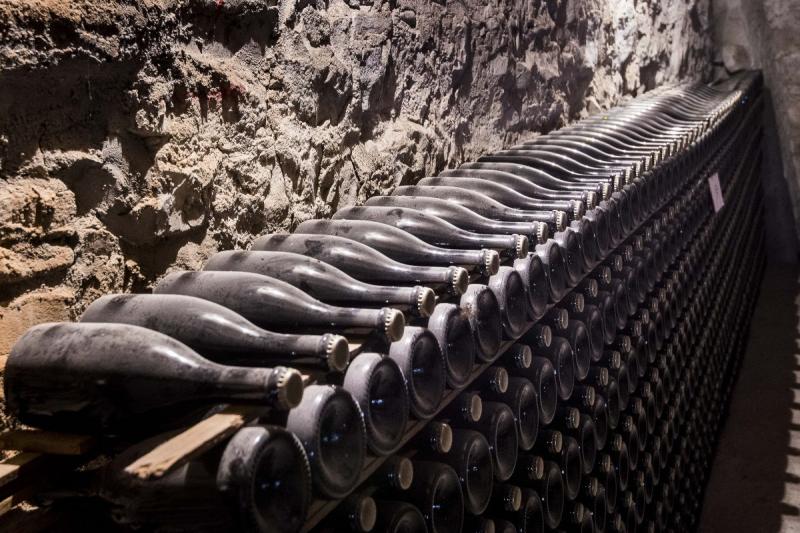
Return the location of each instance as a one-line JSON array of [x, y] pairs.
[[571, 256]]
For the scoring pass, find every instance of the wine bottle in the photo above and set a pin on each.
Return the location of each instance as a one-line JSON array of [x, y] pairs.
[[493, 380], [562, 357], [578, 337], [377, 384], [530, 516], [217, 333], [481, 524], [506, 498], [483, 312], [451, 327], [466, 407], [396, 472], [497, 425], [121, 378], [330, 425], [358, 512], [509, 289], [398, 517], [534, 278], [437, 231], [362, 262], [536, 232], [542, 375], [421, 361], [508, 196], [402, 246], [268, 302], [484, 205], [437, 493], [471, 459], [520, 396], [239, 487], [551, 492], [571, 466], [323, 281]]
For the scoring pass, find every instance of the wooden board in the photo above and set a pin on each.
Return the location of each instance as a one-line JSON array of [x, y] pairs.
[[11, 468], [189, 444], [33, 440]]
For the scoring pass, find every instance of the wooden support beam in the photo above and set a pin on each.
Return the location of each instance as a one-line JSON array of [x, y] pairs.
[[33, 440], [11, 468], [187, 445]]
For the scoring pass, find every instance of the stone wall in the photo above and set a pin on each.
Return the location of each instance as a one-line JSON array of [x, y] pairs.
[[763, 35], [141, 136]]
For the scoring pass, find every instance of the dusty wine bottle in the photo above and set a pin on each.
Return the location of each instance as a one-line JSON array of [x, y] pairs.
[[497, 425], [483, 313], [520, 396], [121, 378], [471, 459], [323, 281], [217, 333], [450, 325], [377, 384], [271, 303], [330, 425], [437, 231], [421, 361], [437, 493], [398, 517], [537, 232], [402, 246], [509, 289], [364, 263]]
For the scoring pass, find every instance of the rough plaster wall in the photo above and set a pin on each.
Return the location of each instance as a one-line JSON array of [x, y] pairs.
[[763, 35], [138, 137]]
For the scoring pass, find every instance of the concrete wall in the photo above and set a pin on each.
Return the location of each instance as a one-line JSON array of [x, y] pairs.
[[141, 136]]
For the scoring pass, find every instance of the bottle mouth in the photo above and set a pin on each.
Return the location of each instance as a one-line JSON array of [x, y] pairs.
[[459, 280], [475, 407], [521, 246], [366, 514], [289, 388], [542, 232], [394, 323], [337, 351], [491, 262], [425, 301]]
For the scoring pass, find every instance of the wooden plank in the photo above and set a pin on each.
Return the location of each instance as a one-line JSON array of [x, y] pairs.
[[32, 440], [189, 444], [11, 468]]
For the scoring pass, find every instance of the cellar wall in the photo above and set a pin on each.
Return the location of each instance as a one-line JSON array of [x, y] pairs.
[[139, 137]]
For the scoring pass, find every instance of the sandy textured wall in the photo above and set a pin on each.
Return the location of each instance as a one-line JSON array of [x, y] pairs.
[[138, 137]]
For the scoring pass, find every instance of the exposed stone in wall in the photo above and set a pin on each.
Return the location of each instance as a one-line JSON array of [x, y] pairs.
[[142, 136]]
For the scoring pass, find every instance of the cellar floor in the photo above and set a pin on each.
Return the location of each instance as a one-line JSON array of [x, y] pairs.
[[755, 480]]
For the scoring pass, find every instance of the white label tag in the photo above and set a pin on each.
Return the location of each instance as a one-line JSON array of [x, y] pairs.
[[716, 192]]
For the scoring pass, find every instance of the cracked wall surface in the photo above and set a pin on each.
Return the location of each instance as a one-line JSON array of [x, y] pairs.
[[141, 137]]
